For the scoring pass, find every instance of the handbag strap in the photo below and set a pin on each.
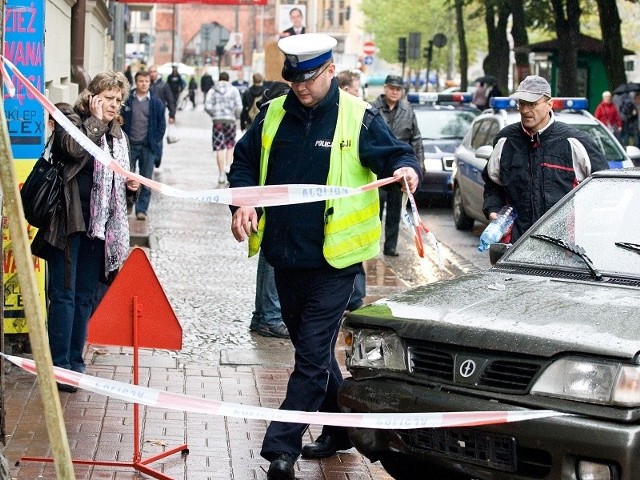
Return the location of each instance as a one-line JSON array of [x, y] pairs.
[[46, 153]]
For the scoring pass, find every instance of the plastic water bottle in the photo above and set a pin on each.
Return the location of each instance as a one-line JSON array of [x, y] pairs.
[[497, 228]]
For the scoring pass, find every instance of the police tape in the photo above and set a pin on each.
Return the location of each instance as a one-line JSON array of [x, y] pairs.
[[177, 401], [264, 196]]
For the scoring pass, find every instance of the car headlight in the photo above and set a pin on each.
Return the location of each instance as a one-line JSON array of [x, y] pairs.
[[376, 349], [591, 381], [432, 164]]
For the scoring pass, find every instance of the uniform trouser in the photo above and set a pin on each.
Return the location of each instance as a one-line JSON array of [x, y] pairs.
[[70, 307], [392, 197], [312, 302]]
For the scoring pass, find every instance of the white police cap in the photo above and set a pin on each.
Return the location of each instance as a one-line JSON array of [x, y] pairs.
[[304, 54]]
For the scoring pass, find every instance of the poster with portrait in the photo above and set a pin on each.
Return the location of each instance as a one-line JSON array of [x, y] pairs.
[[236, 50], [292, 20]]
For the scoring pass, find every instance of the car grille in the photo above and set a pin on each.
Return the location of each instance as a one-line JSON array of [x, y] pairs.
[[470, 445], [498, 373]]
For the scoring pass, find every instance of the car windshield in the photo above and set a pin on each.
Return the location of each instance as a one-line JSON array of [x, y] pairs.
[[604, 140], [601, 218], [441, 124]]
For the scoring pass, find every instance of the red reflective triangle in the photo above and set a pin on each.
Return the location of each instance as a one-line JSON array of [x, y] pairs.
[[113, 321]]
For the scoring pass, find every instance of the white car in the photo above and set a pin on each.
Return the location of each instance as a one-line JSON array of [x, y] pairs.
[[472, 154]]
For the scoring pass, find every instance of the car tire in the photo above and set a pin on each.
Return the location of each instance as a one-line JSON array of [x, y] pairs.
[[404, 467], [460, 217]]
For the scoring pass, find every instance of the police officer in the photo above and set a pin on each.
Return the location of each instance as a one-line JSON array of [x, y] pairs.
[[316, 134]]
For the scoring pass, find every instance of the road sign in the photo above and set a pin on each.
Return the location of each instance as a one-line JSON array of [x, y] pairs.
[[369, 48], [368, 60]]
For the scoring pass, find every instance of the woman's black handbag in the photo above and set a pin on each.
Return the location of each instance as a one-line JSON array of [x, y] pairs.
[[42, 190]]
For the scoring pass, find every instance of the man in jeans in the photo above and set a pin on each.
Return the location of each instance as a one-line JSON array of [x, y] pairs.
[[144, 123]]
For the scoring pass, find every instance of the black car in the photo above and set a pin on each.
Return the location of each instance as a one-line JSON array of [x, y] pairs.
[[444, 120], [553, 325]]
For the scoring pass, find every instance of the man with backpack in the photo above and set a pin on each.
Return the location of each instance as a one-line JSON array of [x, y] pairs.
[[250, 98]]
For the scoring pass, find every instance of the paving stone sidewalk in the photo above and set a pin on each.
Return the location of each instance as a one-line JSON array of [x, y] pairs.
[[210, 284]]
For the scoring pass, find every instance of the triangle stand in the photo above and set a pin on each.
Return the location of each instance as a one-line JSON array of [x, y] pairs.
[[121, 323]]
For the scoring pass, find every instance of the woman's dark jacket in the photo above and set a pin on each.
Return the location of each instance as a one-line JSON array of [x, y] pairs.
[[69, 218]]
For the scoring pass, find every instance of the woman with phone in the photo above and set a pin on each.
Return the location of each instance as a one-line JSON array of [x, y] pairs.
[[88, 238]]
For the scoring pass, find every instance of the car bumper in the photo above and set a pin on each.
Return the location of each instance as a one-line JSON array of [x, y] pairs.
[[436, 183], [547, 448]]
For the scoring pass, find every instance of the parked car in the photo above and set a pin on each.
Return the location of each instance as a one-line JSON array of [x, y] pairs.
[[553, 325], [443, 119], [472, 155]]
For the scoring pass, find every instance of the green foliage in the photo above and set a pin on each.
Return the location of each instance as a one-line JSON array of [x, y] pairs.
[[387, 21]]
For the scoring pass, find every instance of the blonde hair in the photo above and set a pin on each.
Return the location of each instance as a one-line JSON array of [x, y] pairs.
[[106, 80]]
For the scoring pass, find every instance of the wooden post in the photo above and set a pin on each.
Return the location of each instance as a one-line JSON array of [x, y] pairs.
[[35, 318]]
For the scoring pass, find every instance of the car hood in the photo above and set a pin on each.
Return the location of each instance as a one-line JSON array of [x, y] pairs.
[[440, 146], [524, 314]]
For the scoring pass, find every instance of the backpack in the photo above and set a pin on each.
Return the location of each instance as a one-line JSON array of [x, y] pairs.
[[254, 109]]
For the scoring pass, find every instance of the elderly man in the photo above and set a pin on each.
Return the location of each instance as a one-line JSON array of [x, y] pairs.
[[537, 161], [316, 134], [400, 117]]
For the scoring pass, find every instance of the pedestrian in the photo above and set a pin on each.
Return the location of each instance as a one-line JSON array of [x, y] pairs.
[[635, 119], [240, 83], [87, 240], [624, 104], [206, 82], [128, 74], [400, 117], [250, 99], [144, 123], [607, 113], [176, 84], [492, 90], [537, 161], [480, 96], [266, 319], [316, 249], [193, 86], [161, 90], [349, 81], [224, 105]]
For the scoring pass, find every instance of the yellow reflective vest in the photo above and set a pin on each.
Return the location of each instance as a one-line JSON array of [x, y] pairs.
[[352, 224]]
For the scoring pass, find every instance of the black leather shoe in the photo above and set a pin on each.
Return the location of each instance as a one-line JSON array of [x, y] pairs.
[[391, 253], [325, 446], [63, 387], [281, 468]]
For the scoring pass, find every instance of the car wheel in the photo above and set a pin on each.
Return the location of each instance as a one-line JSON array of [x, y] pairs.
[[404, 467], [460, 217]]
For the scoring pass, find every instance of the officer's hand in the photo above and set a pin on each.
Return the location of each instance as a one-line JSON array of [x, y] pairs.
[[243, 222], [412, 178]]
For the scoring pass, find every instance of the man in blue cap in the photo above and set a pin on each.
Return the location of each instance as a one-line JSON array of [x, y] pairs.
[[316, 134]]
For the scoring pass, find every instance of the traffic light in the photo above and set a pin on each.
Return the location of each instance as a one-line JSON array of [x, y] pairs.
[[402, 49], [428, 51], [330, 15]]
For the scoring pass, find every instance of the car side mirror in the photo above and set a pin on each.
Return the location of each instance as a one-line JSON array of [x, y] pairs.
[[634, 154], [484, 151], [496, 251]]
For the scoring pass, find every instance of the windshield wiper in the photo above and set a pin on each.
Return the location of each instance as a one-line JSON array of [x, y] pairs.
[[573, 248], [634, 247]]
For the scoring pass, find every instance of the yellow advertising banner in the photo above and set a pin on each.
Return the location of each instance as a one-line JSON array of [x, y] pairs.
[[13, 308]]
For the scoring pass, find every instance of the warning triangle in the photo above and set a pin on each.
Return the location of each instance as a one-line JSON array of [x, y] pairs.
[[136, 286]]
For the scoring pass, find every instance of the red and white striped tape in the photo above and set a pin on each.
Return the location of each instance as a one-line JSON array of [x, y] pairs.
[[265, 196], [177, 401]]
